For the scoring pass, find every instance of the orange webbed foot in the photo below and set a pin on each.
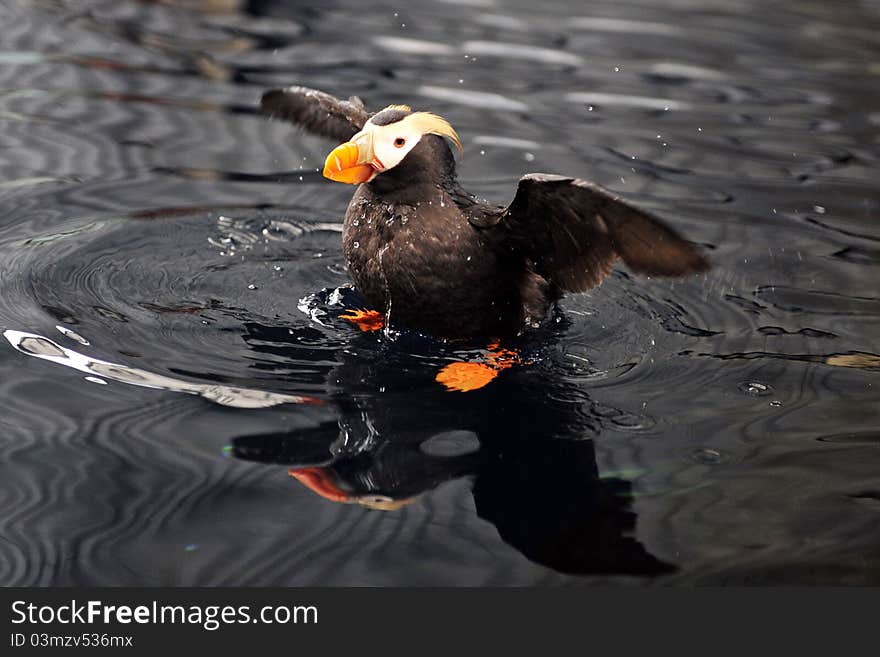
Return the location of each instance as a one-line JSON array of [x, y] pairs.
[[467, 376], [464, 377], [365, 320]]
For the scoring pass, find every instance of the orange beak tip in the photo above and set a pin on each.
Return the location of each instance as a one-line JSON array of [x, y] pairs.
[[342, 165], [355, 175]]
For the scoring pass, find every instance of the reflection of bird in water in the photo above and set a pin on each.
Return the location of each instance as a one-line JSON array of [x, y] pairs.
[[417, 244], [527, 441]]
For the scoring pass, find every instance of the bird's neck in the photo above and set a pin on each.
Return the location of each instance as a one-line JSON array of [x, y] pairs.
[[429, 166]]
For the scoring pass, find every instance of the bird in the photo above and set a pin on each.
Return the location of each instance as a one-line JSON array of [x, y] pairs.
[[429, 257]]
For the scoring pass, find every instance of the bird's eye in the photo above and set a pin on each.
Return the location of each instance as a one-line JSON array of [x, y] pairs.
[[399, 142]]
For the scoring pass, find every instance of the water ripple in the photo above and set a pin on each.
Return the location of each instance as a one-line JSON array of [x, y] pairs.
[[158, 234]]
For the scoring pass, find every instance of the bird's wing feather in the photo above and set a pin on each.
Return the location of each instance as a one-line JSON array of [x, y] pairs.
[[573, 231], [316, 111]]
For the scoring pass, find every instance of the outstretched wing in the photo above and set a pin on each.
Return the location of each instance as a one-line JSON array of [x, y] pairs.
[[316, 111], [573, 231]]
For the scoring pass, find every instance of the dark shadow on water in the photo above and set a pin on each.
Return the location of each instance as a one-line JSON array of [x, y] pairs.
[[526, 439]]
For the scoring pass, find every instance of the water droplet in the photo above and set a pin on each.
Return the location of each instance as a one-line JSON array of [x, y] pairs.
[[818, 209], [776, 403], [277, 267], [356, 245], [529, 157], [590, 108], [755, 388], [616, 69], [356, 222], [482, 152], [252, 287], [468, 258]]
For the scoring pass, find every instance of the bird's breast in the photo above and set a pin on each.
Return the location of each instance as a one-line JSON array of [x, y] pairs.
[[425, 262]]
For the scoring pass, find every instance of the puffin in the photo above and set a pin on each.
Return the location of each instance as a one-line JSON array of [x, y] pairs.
[[429, 257]]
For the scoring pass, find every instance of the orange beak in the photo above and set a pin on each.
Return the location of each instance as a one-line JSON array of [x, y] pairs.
[[350, 163], [320, 482]]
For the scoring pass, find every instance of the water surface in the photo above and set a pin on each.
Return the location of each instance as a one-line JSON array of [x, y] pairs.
[[180, 404]]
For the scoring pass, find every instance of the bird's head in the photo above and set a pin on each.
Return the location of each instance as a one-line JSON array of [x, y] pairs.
[[385, 141]]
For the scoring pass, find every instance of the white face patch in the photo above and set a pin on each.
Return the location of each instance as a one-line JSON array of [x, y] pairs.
[[384, 146], [390, 143]]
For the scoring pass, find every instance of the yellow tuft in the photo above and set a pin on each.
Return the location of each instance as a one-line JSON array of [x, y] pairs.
[[428, 123]]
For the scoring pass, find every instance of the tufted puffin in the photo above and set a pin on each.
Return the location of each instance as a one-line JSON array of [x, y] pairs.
[[436, 260]]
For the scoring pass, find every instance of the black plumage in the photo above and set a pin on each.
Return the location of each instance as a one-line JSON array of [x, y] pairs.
[[425, 252]]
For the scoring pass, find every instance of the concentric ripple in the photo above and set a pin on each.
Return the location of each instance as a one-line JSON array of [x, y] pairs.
[[182, 401]]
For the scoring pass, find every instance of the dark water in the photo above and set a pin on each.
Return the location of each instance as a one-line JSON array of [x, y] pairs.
[[170, 354]]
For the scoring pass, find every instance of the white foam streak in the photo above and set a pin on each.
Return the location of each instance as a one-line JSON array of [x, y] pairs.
[[43, 348]]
